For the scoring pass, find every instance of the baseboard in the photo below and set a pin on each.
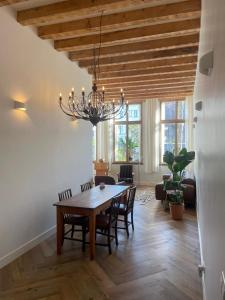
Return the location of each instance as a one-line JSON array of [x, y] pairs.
[[26, 247], [202, 262]]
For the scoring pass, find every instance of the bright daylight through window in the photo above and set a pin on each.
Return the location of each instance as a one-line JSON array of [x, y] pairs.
[[172, 126], [127, 136]]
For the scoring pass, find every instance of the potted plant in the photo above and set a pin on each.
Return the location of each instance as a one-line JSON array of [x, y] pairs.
[[173, 186]]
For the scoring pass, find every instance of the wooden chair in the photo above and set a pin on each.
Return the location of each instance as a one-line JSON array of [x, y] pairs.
[[86, 186], [126, 174], [128, 208], [105, 222], [73, 220], [106, 179]]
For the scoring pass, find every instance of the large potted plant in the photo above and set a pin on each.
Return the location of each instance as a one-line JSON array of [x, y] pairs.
[[173, 186]]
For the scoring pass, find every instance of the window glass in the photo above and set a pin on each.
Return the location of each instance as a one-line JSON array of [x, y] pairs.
[[134, 143], [168, 110], [168, 138], [134, 112], [173, 129], [127, 136], [120, 142], [181, 136], [180, 110]]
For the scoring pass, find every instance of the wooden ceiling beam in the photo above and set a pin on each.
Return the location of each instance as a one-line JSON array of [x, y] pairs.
[[125, 20], [173, 95], [156, 95], [149, 83], [10, 2], [147, 92], [160, 98], [148, 64], [140, 72], [139, 47], [77, 9], [143, 78], [110, 90], [129, 35], [142, 57]]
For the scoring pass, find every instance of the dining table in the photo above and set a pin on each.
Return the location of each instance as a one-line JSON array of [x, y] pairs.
[[88, 203]]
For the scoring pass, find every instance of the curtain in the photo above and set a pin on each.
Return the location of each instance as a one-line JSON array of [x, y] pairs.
[[189, 123], [104, 141], [189, 132], [151, 131]]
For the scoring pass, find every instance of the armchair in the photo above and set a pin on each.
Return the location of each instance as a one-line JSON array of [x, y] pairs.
[[126, 174]]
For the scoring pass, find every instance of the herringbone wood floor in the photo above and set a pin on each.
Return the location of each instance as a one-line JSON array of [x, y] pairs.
[[158, 262]]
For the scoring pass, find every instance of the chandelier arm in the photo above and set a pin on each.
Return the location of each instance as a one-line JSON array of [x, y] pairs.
[[116, 112], [65, 110], [80, 114]]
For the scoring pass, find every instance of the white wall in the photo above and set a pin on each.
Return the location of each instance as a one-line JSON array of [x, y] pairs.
[[41, 151], [210, 148]]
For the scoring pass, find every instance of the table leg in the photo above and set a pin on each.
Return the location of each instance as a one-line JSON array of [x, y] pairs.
[[60, 231], [92, 229]]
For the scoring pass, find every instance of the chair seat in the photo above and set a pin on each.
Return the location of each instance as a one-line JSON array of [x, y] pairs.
[[76, 220], [125, 179], [102, 221], [122, 209]]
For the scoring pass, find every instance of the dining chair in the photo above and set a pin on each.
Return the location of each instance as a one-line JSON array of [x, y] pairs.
[[86, 186], [73, 220], [105, 222], [127, 208], [105, 179], [126, 174]]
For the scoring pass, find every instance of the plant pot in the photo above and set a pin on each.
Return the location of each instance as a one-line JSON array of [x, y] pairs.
[[176, 211]]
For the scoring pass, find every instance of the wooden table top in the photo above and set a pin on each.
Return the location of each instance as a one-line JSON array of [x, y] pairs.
[[94, 197]]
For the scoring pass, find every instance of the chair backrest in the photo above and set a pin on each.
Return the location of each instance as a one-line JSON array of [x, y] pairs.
[[131, 197], [114, 209], [106, 179], [126, 171], [86, 186], [65, 195]]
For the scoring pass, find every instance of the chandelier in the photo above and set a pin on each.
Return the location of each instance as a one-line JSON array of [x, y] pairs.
[[94, 106]]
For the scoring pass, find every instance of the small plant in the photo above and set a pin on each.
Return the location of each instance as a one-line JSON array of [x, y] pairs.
[[131, 146], [177, 164]]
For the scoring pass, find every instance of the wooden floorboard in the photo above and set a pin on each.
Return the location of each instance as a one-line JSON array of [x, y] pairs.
[[158, 262]]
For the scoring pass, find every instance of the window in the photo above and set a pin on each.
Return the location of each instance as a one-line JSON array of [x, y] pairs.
[[172, 123], [127, 136]]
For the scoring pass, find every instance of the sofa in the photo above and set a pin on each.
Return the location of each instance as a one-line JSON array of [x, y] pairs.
[[189, 191]]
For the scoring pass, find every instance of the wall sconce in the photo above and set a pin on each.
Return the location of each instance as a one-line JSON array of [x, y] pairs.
[[198, 106], [206, 64], [20, 106], [73, 119], [195, 119]]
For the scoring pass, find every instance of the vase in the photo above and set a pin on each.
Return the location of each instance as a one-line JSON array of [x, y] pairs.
[[176, 211]]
